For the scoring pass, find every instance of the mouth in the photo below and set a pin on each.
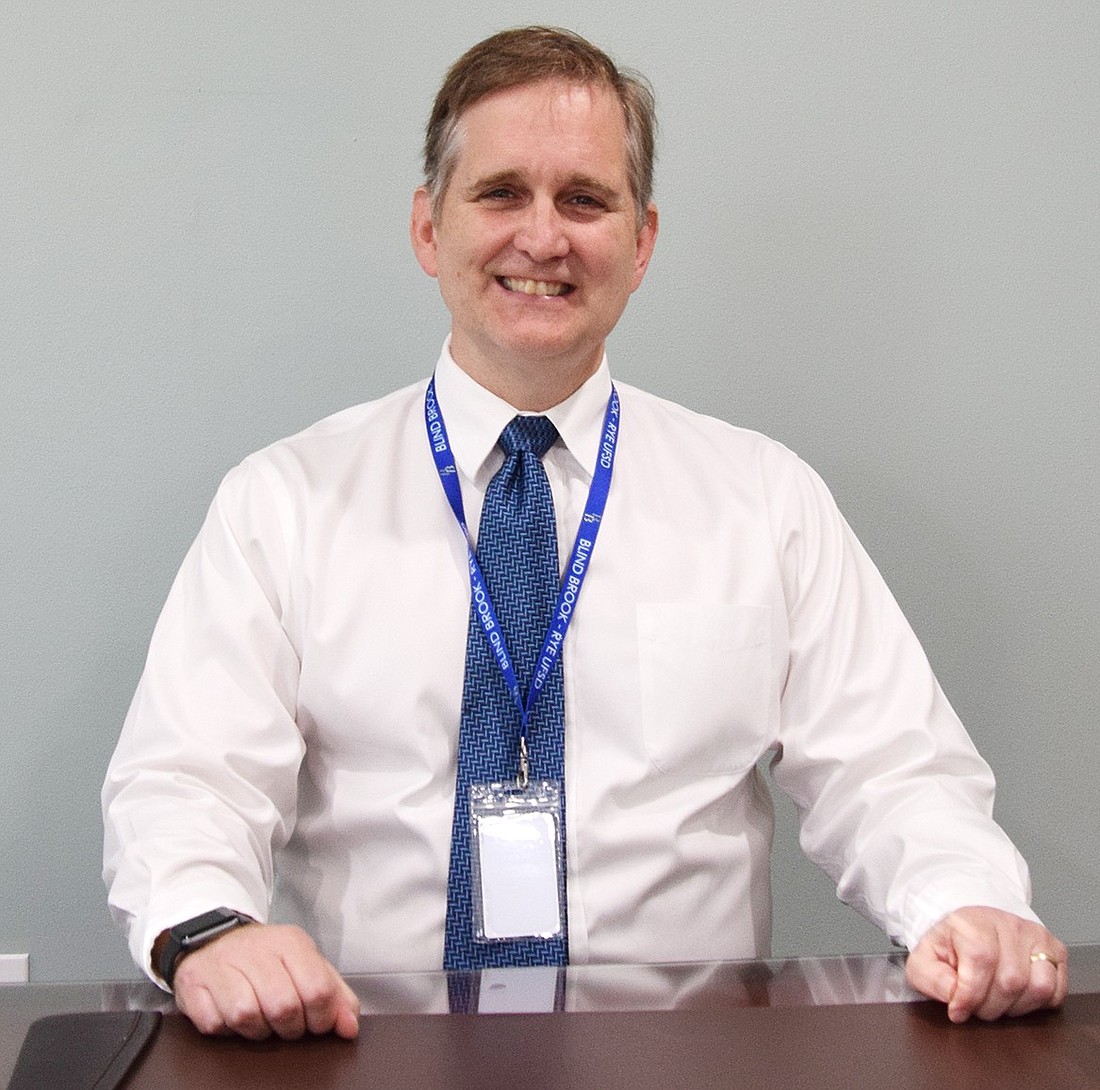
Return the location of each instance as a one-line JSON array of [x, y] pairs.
[[548, 288]]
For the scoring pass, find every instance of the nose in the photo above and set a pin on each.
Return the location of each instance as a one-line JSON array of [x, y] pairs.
[[541, 233]]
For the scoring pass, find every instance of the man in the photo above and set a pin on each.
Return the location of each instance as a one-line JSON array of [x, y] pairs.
[[298, 721]]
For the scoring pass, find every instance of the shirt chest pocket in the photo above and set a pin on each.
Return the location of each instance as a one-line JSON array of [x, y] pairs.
[[705, 686]]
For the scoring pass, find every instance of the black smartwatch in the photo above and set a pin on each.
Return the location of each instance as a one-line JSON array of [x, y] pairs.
[[196, 932]]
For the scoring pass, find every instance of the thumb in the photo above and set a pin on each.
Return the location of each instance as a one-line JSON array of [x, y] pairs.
[[930, 974], [347, 1015]]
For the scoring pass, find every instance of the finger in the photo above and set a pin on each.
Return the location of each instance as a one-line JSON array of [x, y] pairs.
[[283, 1007], [1063, 977], [1048, 981], [347, 1019], [224, 1002], [328, 1003], [975, 989], [241, 1008], [199, 1006]]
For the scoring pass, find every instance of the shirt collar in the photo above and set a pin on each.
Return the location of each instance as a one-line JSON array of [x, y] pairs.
[[475, 417]]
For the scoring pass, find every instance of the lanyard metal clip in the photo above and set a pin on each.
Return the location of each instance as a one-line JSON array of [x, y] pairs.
[[524, 766]]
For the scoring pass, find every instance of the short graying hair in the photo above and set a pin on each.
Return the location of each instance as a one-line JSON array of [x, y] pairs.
[[527, 55]]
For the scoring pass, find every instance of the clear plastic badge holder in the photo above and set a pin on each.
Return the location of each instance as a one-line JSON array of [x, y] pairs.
[[516, 854]]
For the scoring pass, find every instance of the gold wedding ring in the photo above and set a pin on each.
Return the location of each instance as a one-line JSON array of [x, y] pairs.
[[1041, 955]]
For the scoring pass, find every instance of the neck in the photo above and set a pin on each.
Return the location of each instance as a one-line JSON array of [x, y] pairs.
[[531, 386]]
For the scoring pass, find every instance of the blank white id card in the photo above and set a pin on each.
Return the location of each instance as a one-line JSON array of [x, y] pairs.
[[516, 856]]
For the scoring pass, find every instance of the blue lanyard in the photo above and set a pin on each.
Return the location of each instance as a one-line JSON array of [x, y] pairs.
[[575, 572]]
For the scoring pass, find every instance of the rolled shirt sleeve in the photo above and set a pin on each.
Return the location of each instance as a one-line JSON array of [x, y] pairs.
[[895, 801], [203, 786]]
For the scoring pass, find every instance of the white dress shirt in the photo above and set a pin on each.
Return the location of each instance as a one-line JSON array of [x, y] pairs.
[[294, 733]]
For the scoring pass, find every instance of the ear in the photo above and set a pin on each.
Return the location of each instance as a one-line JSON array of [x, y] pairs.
[[422, 232], [647, 239]]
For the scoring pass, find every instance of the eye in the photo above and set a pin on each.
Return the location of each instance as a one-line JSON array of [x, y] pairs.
[[584, 205], [499, 193]]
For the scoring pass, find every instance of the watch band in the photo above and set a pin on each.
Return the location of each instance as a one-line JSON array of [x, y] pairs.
[[193, 933]]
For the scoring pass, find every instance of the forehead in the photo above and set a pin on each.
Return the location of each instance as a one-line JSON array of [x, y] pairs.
[[547, 127]]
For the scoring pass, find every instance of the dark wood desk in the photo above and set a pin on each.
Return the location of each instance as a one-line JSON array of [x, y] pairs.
[[814, 1023]]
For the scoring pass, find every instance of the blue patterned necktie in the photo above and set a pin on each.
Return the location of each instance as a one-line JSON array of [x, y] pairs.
[[518, 555]]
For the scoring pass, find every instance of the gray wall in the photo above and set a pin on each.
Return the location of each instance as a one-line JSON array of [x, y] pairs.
[[880, 244]]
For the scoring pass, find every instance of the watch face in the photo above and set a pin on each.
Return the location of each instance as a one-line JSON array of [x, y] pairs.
[[216, 920]]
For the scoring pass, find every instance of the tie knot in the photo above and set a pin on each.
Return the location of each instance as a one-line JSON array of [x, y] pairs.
[[533, 433]]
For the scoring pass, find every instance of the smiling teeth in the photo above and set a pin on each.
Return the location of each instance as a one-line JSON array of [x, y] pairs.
[[533, 287]]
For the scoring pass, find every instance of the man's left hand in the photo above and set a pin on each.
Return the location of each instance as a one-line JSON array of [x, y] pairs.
[[988, 963]]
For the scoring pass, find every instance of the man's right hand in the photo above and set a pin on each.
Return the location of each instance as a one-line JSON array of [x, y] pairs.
[[264, 979]]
